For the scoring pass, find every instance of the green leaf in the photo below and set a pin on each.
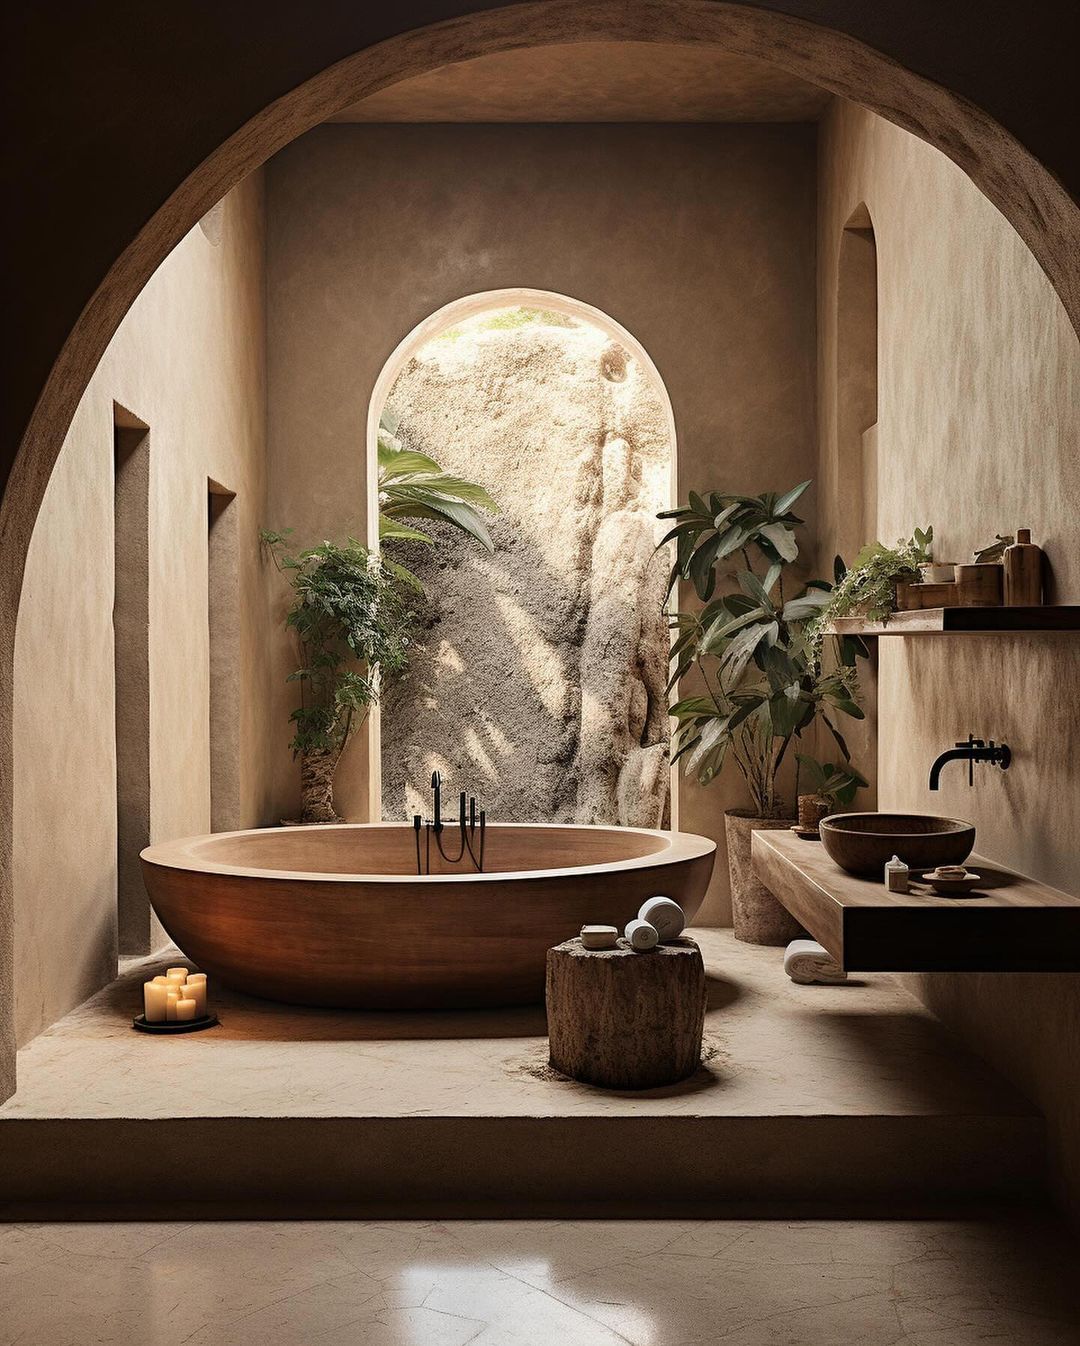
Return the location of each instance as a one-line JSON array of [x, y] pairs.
[[754, 589], [789, 497], [396, 464], [401, 532], [782, 538]]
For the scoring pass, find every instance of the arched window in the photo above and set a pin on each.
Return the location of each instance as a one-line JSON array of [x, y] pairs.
[[540, 684]]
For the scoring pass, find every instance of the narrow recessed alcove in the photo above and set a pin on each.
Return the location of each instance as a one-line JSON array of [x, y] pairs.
[[857, 382], [224, 627], [583, 275], [137, 928]]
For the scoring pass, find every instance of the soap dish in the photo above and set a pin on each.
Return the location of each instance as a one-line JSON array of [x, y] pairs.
[[806, 833], [947, 884], [176, 1025]]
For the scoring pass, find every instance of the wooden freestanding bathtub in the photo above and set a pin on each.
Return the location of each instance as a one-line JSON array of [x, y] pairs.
[[338, 915]]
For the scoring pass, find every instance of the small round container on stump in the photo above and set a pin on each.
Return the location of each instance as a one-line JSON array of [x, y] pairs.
[[626, 1020]]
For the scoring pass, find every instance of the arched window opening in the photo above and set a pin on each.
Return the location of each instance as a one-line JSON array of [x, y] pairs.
[[540, 684]]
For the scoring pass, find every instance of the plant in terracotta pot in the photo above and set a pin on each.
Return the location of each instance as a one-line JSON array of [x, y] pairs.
[[832, 787], [766, 673]]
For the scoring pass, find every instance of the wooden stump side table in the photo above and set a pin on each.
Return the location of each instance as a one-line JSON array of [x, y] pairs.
[[626, 1020]]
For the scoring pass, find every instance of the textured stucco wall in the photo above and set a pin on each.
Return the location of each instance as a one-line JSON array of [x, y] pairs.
[[699, 240], [979, 386], [539, 681], [189, 361]]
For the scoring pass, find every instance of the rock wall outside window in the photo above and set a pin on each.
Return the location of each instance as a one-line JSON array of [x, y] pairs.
[[539, 684]]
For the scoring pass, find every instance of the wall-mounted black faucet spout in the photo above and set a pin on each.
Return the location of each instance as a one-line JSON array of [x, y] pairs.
[[972, 751]]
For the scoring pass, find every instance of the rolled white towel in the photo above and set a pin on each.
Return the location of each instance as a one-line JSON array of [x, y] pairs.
[[665, 915], [806, 961], [641, 936]]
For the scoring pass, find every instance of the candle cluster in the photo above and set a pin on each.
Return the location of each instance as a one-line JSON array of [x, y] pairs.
[[176, 996]]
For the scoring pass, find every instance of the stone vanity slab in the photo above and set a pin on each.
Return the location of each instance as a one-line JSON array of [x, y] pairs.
[[811, 1100]]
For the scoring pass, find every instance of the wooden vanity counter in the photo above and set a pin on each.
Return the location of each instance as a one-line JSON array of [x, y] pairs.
[[1008, 924]]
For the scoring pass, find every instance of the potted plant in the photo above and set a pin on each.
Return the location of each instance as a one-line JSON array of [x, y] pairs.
[[766, 671], [353, 626], [351, 616], [868, 588], [832, 788]]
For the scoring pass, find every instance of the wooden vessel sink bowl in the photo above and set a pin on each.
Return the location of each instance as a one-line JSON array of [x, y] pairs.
[[861, 843], [338, 915]]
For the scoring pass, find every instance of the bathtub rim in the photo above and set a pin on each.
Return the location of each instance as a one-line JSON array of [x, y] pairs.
[[182, 854]]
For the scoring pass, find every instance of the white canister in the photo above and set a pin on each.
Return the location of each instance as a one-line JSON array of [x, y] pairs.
[[667, 916], [641, 936]]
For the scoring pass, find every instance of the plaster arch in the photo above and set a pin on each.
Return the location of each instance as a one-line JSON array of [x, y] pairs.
[[1027, 193], [446, 316]]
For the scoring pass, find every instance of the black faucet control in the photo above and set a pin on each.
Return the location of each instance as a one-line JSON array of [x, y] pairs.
[[971, 751]]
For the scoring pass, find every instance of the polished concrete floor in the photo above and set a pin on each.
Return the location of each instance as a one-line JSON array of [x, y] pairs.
[[819, 1094], [538, 1284]]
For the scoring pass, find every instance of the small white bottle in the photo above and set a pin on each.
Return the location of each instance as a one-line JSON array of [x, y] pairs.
[[896, 875]]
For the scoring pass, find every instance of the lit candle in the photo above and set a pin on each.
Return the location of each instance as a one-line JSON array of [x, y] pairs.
[[195, 989], [180, 972], [155, 996], [172, 999], [185, 1009]]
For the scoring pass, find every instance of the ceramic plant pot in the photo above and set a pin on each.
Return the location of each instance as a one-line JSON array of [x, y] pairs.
[[756, 915]]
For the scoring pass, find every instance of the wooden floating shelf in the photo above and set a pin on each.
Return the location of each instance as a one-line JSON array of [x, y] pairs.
[[1008, 924], [970, 620]]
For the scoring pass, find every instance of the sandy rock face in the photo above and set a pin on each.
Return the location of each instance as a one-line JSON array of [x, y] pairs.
[[540, 684]]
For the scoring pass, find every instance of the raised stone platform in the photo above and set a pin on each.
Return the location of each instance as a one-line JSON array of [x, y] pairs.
[[812, 1100]]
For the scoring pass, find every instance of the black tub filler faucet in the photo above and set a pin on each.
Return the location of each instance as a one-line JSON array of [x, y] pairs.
[[472, 829], [972, 751]]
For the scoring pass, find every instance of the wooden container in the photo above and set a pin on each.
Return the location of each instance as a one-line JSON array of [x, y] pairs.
[[626, 1020], [914, 597], [980, 585], [1023, 565]]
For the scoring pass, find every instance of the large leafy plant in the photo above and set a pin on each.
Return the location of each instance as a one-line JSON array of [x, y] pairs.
[[767, 674], [353, 628], [414, 486]]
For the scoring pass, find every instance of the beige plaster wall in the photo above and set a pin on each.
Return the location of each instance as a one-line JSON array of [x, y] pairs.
[[188, 360], [698, 239], [979, 386]]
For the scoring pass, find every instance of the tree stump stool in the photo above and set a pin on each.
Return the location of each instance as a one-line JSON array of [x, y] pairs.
[[626, 1020]]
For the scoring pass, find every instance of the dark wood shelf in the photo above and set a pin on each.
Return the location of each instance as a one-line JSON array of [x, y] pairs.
[[972, 621], [1008, 924]]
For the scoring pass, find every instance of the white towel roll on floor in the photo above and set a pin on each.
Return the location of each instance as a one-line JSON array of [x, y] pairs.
[[806, 961]]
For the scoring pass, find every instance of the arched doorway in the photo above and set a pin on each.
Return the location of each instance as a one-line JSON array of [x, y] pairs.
[[540, 691], [1022, 189]]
